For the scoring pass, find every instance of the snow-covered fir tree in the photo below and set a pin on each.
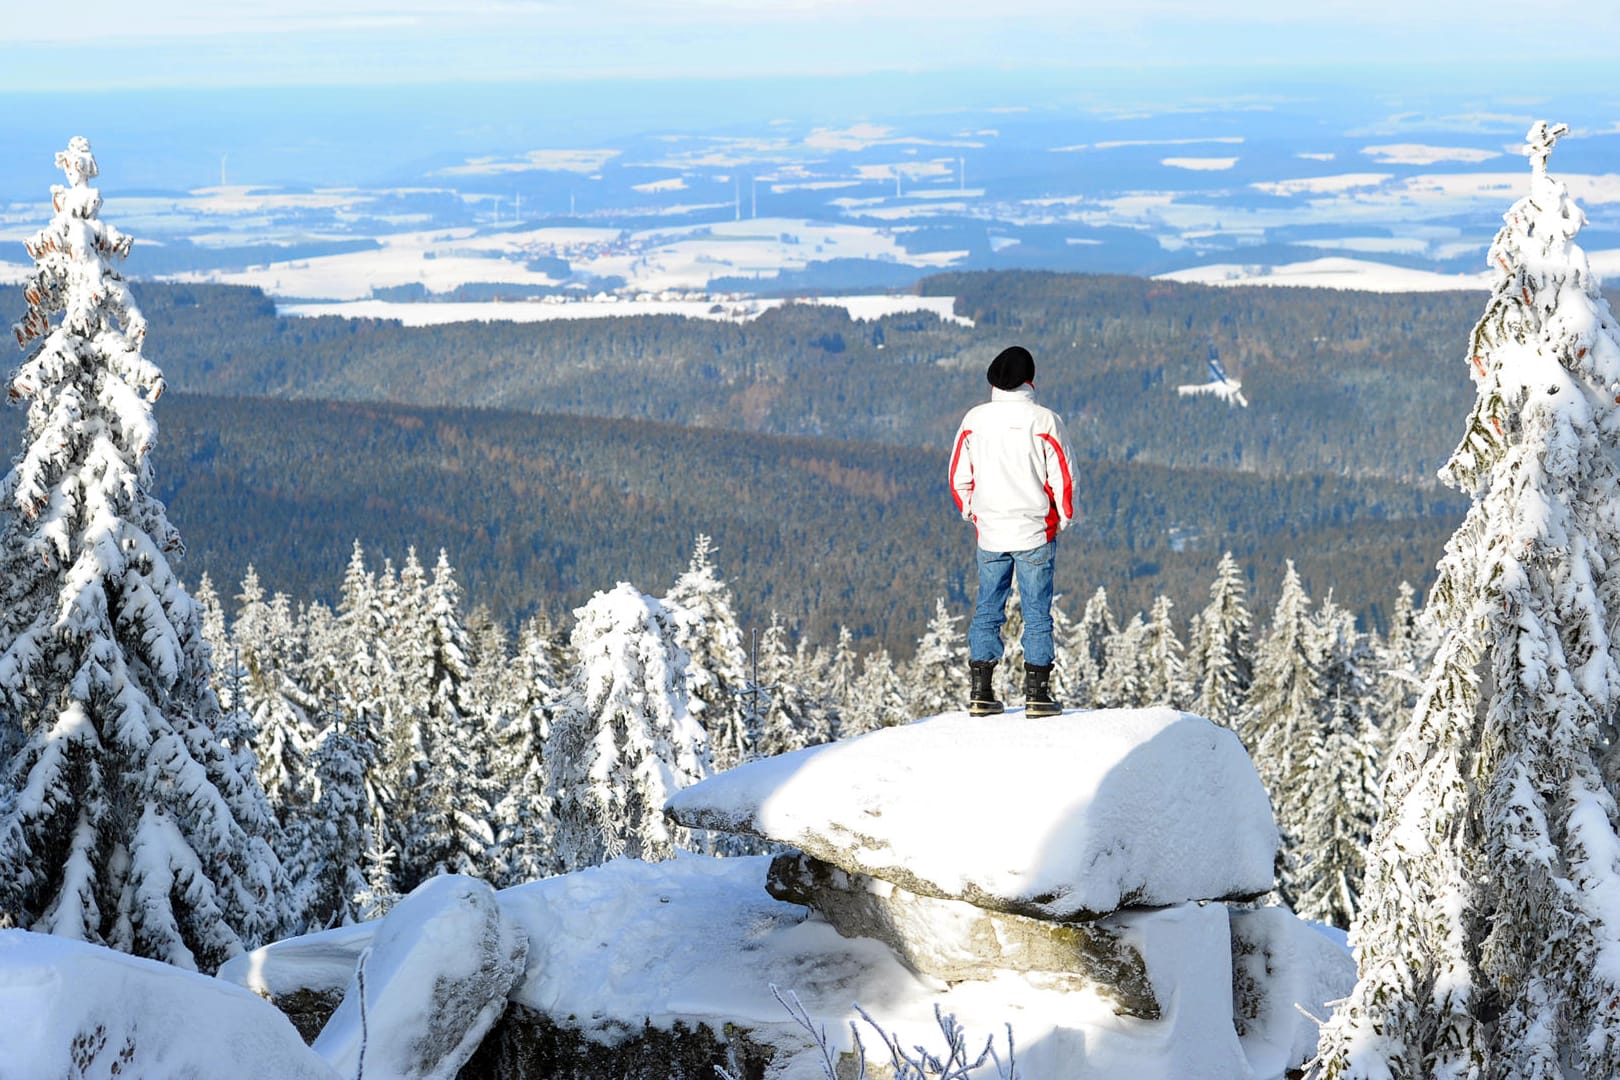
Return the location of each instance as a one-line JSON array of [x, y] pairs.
[[1335, 806], [378, 895], [1010, 672], [1285, 701], [262, 646], [1220, 656], [236, 729], [802, 689], [1084, 656], [879, 698], [338, 833], [938, 679], [1490, 924], [1164, 667], [451, 804], [1401, 659], [354, 671], [838, 682], [786, 722], [212, 613], [623, 740], [1124, 682], [122, 819], [717, 667], [525, 826]]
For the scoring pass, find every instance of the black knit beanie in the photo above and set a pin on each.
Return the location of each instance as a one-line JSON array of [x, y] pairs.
[[1012, 368]]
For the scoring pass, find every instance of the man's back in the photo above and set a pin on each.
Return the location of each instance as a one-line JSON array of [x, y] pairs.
[[1011, 471]]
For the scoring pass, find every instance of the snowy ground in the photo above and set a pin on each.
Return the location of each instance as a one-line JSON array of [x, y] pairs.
[[606, 307], [1333, 273], [649, 260], [698, 941]]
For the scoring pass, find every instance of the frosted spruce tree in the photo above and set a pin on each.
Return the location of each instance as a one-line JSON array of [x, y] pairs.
[[1285, 702], [378, 896], [122, 820], [264, 649], [706, 627], [879, 698], [1490, 931], [788, 717], [623, 740], [1335, 805], [1124, 682], [338, 833], [448, 829], [1220, 657], [1084, 657], [1165, 669], [939, 667], [524, 825], [838, 683], [1402, 661]]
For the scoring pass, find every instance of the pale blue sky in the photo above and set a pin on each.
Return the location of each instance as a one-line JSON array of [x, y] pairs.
[[117, 43]]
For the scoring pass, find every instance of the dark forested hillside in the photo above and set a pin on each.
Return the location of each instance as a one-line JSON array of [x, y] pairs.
[[841, 515], [1339, 382], [542, 510]]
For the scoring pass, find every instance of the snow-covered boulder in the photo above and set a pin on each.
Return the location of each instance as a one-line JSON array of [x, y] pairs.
[[1069, 817], [305, 977], [79, 1010], [433, 981], [629, 953], [953, 940]]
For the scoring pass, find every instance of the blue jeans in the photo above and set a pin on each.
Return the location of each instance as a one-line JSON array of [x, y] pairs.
[[996, 569]]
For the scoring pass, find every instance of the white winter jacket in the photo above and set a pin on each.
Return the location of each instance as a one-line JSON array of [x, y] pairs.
[[1012, 471]]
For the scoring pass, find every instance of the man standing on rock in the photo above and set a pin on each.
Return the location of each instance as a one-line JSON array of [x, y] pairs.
[[1012, 476]]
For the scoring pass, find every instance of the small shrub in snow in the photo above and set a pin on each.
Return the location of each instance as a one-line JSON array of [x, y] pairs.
[[915, 1063]]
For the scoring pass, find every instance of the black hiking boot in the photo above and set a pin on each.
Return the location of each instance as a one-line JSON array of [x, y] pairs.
[[1038, 691], [982, 697]]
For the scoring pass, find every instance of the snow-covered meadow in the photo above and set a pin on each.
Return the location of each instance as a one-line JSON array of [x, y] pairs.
[[731, 308]]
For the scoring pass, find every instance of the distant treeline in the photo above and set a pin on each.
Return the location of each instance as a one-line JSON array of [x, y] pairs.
[[549, 491], [537, 512], [1339, 382]]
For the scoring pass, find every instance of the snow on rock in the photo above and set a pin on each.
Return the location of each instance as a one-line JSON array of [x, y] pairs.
[[436, 978], [75, 1009], [631, 948], [697, 941], [1285, 971], [1060, 818], [322, 961], [1189, 960]]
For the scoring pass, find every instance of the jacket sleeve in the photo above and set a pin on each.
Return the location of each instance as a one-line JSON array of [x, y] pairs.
[[961, 477], [1059, 462]]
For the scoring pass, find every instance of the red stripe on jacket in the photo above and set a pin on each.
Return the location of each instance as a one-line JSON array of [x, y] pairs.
[[956, 458], [1068, 481]]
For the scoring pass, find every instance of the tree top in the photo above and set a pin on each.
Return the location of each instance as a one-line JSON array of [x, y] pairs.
[[77, 161], [1540, 140]]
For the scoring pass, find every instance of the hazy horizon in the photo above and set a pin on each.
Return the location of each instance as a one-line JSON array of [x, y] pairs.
[[372, 42]]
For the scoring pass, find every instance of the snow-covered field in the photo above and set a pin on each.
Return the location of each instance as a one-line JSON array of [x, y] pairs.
[[1332, 273], [684, 257], [607, 307]]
